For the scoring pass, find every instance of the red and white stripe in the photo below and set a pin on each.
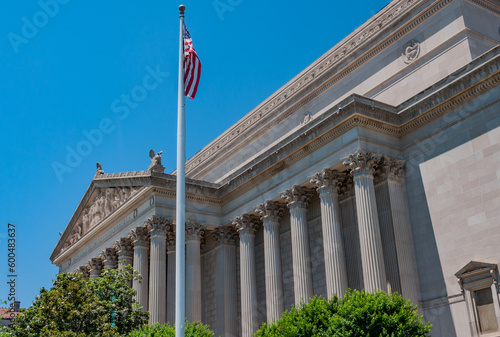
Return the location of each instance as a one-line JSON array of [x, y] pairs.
[[192, 67]]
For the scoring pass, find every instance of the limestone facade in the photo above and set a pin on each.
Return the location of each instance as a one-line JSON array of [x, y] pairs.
[[377, 167]]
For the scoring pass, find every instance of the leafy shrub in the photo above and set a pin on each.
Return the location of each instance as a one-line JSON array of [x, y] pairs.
[[357, 314], [195, 329], [73, 307]]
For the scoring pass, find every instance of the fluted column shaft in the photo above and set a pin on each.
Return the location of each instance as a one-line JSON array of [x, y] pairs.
[[249, 314], [407, 262], [335, 264], [372, 257], [171, 276], [194, 233], [225, 282], [158, 275], [275, 301], [301, 255], [141, 264]]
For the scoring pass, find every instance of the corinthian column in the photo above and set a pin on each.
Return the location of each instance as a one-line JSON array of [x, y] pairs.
[[275, 303], [84, 270], [296, 199], [141, 264], [158, 273], [171, 273], [362, 165], [246, 226], [407, 262], [225, 282], [335, 268], [110, 257], [194, 233], [96, 265], [125, 251]]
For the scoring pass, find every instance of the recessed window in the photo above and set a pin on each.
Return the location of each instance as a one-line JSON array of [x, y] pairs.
[[486, 310]]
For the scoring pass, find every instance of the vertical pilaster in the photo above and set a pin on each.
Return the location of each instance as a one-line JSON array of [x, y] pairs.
[[194, 234], [158, 273], [275, 302], [96, 265], [225, 282], [362, 165], [296, 199], [246, 226], [110, 257], [407, 262], [327, 182], [140, 237], [171, 274]]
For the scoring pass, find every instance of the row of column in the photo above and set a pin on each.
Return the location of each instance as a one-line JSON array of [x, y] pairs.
[[149, 247], [362, 167]]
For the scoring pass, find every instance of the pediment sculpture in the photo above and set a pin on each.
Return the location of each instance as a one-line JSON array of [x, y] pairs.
[[106, 201]]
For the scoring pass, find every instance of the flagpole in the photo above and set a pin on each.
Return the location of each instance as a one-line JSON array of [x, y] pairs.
[[180, 258]]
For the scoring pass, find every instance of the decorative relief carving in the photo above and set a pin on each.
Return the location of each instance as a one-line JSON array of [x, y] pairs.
[[328, 181], [246, 224], [157, 225], [106, 201], [125, 247], [307, 118], [411, 51], [140, 236], [155, 165], [297, 197], [85, 271], [195, 231], [362, 162], [270, 209], [225, 235], [110, 257], [394, 168]]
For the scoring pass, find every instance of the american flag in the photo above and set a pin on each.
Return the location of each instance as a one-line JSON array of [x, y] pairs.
[[192, 66]]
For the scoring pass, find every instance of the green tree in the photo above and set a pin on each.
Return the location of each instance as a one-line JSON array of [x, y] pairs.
[[357, 314], [74, 307], [195, 329]]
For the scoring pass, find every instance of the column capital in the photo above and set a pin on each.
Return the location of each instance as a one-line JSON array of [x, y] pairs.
[[195, 231], [85, 271], [394, 168], [270, 211], [246, 224], [140, 236], [125, 246], [225, 235], [362, 162], [297, 197], [171, 238], [157, 225], [110, 257], [328, 181], [96, 265]]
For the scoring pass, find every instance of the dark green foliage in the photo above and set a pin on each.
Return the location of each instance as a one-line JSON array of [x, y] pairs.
[[74, 307], [195, 329], [357, 314]]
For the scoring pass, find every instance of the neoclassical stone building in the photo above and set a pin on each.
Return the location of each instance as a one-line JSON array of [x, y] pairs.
[[377, 167]]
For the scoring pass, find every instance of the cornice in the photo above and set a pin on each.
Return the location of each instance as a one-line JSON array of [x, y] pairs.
[[488, 5], [360, 112], [325, 73]]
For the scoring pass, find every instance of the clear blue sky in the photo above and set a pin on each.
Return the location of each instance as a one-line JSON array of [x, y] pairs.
[[68, 72]]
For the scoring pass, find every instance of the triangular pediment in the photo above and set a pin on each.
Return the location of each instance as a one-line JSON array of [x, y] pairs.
[[475, 267]]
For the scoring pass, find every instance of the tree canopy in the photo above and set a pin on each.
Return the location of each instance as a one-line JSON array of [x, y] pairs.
[[357, 314], [75, 307]]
